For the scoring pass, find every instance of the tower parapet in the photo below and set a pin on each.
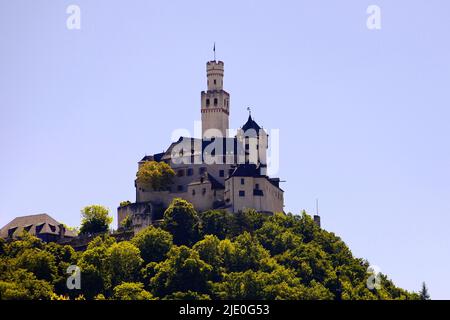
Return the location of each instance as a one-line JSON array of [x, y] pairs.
[[215, 102]]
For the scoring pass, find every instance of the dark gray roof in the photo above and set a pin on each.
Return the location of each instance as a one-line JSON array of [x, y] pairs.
[[247, 170], [35, 224], [253, 170], [251, 124], [156, 157], [214, 183], [194, 142]]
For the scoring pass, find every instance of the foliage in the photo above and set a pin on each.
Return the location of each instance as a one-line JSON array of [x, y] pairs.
[[127, 223], [157, 175], [95, 219], [182, 271], [124, 262], [182, 221], [124, 203], [131, 291], [217, 222], [191, 256], [19, 284], [153, 243], [423, 293]]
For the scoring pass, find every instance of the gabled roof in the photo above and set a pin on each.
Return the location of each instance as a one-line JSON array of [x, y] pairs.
[[45, 224]]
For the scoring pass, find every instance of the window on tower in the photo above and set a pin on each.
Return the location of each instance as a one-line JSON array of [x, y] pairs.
[[207, 102], [215, 82], [215, 101]]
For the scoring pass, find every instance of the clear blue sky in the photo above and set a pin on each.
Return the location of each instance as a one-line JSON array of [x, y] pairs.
[[363, 115]]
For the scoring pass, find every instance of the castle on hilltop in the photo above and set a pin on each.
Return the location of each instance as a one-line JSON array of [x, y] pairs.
[[214, 172]]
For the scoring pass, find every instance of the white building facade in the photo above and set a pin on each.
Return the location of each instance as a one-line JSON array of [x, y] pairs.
[[215, 172]]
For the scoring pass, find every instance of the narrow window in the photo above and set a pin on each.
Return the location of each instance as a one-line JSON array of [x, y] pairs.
[[207, 102], [242, 181], [215, 101]]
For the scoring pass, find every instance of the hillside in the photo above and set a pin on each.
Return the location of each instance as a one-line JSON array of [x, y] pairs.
[[208, 255]]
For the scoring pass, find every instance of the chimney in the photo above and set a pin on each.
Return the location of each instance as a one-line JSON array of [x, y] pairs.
[[62, 231], [317, 220]]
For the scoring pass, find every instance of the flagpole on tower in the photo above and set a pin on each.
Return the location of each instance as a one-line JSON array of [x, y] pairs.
[[214, 50]]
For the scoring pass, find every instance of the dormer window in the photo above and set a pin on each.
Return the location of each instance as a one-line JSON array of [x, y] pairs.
[[11, 232]]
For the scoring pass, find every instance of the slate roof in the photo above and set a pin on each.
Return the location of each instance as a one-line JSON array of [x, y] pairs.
[[193, 142], [37, 224], [214, 183], [246, 170], [251, 124]]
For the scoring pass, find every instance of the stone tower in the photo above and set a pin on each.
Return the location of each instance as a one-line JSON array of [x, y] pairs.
[[215, 103]]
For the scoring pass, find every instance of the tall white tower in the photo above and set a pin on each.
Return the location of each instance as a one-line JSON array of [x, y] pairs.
[[215, 103]]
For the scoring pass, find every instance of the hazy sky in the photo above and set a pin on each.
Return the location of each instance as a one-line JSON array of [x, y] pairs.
[[363, 114]]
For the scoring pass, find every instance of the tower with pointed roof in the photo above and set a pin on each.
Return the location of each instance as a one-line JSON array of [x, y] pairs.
[[255, 141], [215, 102]]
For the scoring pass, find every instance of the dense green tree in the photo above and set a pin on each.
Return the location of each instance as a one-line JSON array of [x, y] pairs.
[[95, 271], [182, 271], [209, 251], [124, 262], [182, 221], [24, 241], [248, 220], [217, 222], [131, 291], [247, 254], [244, 256], [19, 284], [277, 239], [258, 285], [157, 175], [39, 262], [95, 219], [153, 243]]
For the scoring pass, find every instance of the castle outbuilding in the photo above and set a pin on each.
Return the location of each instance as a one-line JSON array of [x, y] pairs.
[[214, 172]]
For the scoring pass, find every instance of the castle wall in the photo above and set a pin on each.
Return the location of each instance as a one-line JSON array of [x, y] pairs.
[[271, 199]]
